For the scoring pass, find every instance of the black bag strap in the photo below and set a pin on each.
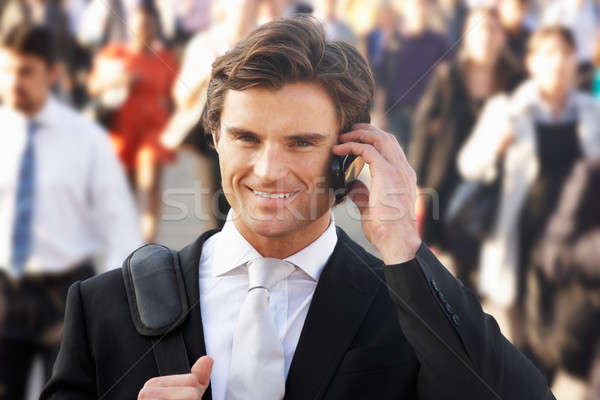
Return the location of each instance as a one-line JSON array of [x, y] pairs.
[[158, 304], [170, 354]]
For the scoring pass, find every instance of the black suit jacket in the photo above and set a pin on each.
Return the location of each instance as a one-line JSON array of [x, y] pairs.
[[424, 337]]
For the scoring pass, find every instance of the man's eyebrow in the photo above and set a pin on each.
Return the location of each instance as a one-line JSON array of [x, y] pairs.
[[308, 136], [239, 131]]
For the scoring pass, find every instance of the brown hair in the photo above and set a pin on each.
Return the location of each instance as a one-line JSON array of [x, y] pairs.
[[289, 50], [545, 32], [25, 39]]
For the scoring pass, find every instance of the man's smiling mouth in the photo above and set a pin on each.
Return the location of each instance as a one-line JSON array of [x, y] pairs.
[[273, 195]]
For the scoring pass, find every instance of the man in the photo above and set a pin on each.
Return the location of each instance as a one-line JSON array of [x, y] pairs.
[[63, 200], [277, 104]]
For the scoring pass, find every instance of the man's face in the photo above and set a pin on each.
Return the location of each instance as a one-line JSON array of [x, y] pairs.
[[553, 65], [275, 151], [24, 81]]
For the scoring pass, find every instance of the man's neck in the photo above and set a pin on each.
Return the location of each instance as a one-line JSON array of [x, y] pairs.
[[35, 110], [284, 246]]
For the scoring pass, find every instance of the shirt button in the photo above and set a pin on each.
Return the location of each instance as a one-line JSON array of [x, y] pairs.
[[434, 285]]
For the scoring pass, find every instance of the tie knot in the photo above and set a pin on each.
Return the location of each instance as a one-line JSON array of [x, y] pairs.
[[266, 272], [31, 127]]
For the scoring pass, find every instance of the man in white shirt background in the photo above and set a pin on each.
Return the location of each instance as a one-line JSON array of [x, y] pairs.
[[64, 202]]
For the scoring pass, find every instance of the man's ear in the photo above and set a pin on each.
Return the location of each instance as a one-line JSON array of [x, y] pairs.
[[53, 74]]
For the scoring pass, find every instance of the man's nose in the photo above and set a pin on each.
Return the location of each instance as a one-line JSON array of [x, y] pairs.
[[270, 164]]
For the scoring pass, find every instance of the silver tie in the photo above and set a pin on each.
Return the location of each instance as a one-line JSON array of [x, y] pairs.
[[257, 369]]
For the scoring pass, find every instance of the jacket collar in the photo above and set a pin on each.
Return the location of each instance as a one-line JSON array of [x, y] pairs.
[[193, 331], [342, 298]]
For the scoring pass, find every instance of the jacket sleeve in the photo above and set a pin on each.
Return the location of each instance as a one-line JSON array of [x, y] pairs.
[[73, 375], [461, 350]]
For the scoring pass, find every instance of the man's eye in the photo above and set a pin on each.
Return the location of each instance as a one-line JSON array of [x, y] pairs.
[[248, 139], [302, 143]]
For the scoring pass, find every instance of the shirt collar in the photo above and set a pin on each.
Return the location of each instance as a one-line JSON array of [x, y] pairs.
[[527, 99], [233, 250], [543, 111], [46, 115]]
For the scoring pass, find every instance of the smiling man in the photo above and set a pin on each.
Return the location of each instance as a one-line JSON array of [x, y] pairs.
[[282, 303]]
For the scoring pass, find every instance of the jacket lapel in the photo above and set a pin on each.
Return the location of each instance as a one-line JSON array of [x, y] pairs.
[[342, 298], [193, 331]]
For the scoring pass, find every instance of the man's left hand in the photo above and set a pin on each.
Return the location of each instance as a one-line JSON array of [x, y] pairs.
[[387, 207]]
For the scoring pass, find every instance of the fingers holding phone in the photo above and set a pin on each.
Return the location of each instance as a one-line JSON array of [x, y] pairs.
[[387, 207]]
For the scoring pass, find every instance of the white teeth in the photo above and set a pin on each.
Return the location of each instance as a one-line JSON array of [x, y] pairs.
[[272, 195]]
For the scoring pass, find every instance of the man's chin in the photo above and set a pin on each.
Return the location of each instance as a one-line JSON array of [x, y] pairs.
[[23, 106], [274, 228]]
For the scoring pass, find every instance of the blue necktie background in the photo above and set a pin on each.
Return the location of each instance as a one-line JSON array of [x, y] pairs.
[[21, 238]]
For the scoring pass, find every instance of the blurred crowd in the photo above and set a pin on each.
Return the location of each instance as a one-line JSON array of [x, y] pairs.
[[495, 102]]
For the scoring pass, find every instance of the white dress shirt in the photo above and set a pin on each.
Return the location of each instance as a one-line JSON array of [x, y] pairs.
[[82, 203], [223, 288]]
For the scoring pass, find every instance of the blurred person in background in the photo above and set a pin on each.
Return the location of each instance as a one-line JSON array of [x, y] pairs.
[[384, 39], [191, 17], [539, 132], [405, 70], [582, 17], [139, 74], [69, 59], [450, 18], [563, 285], [335, 27], [513, 15], [444, 119], [63, 200], [102, 22]]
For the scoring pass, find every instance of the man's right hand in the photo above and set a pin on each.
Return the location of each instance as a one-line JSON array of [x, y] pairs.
[[184, 387]]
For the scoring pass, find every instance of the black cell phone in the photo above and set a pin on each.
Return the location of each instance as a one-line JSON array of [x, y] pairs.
[[344, 169]]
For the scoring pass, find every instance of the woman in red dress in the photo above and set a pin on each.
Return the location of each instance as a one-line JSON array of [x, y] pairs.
[[137, 78]]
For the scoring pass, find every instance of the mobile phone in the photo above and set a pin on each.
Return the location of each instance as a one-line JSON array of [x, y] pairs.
[[344, 169]]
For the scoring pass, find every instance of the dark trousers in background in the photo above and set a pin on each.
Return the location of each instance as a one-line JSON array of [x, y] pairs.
[[31, 321]]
